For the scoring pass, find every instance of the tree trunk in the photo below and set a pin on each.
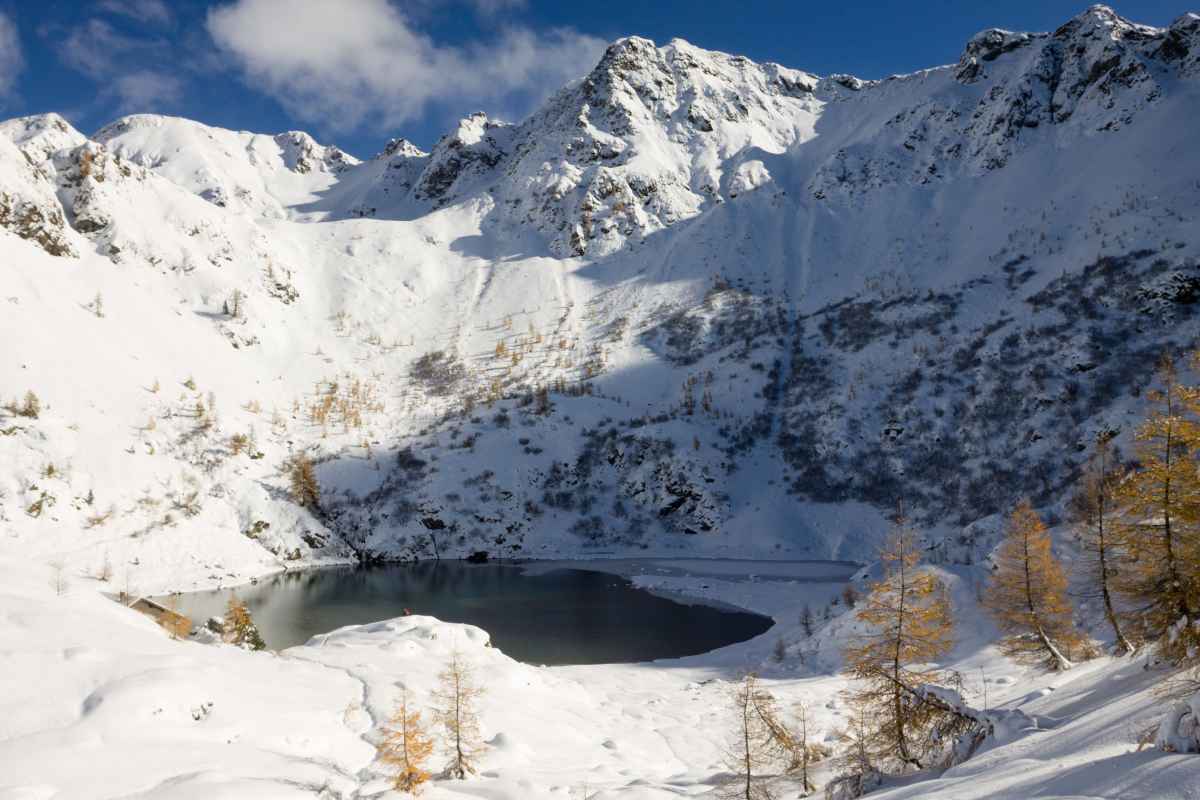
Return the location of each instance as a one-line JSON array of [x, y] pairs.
[[746, 743], [1124, 646], [1060, 662], [1176, 586]]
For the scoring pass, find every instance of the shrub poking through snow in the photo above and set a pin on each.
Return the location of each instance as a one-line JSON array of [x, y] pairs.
[[406, 747], [239, 628], [1027, 595], [456, 697], [30, 406]]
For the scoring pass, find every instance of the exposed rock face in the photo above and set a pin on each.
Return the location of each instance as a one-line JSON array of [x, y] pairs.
[[652, 136], [302, 154], [1094, 74], [29, 202], [40, 223], [470, 152]]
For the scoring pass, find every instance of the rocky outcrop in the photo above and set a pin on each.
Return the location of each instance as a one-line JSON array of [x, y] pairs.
[[1095, 74]]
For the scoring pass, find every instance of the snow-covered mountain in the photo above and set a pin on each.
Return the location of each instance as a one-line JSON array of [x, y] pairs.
[[692, 303]]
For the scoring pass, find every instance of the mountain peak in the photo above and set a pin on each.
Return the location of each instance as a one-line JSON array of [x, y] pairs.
[[1103, 19], [631, 44], [401, 147], [302, 153], [46, 132], [988, 45]]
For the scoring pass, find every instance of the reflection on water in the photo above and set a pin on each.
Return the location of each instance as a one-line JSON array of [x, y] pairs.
[[566, 616]]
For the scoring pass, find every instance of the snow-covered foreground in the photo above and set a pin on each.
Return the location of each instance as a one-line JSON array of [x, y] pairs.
[[99, 702]]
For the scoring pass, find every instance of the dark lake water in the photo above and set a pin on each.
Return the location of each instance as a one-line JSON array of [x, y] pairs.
[[566, 616]]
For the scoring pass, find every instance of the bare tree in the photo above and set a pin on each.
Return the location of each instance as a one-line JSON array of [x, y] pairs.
[[456, 697], [1101, 558], [759, 742], [806, 620], [857, 773], [804, 752]]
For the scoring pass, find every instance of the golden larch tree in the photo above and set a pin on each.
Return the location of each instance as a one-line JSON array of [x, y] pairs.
[[1027, 595], [177, 625], [907, 622], [1102, 558], [406, 746], [457, 697], [239, 628], [1160, 502], [759, 741], [302, 479]]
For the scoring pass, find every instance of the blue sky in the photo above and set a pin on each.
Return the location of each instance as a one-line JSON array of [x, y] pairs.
[[357, 72]]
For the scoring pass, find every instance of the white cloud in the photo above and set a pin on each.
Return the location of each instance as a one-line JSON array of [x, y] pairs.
[[146, 91], [344, 64], [489, 7], [11, 60], [113, 60], [154, 12], [94, 47]]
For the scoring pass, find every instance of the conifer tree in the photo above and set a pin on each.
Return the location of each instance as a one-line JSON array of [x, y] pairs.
[[759, 741], [302, 476], [1027, 595], [907, 622], [239, 628], [1102, 558], [1159, 528], [456, 696], [406, 747]]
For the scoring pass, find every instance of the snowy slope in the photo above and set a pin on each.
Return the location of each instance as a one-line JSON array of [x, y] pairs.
[[121, 711], [253, 173], [764, 306]]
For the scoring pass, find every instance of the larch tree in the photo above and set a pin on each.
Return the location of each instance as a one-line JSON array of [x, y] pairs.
[[857, 773], [759, 742], [239, 628], [1027, 595], [302, 478], [1102, 558], [406, 747], [456, 711], [1160, 502], [804, 752], [907, 622], [176, 624]]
